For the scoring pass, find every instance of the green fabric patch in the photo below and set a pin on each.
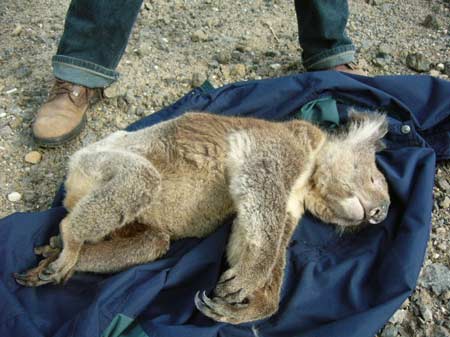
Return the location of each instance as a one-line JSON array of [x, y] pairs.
[[124, 326], [207, 86], [322, 111]]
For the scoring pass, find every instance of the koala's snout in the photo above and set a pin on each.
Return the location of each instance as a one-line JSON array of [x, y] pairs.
[[379, 213]]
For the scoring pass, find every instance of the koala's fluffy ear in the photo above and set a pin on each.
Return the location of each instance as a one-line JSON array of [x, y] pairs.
[[367, 129]]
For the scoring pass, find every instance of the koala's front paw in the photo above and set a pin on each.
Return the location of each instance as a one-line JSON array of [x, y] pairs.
[[31, 278], [219, 310], [57, 272], [235, 285]]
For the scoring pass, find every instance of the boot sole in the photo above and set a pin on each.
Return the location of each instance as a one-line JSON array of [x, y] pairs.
[[56, 141]]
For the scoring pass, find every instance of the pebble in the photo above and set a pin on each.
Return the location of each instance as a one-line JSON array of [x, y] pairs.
[[440, 331], [443, 184], [199, 36], [14, 196], [436, 277], [426, 313], [275, 66], [238, 70], [389, 331], [223, 58], [15, 122], [435, 73], [120, 123], [17, 30], [33, 157], [431, 22], [445, 203], [5, 131], [447, 68], [384, 50], [197, 79], [440, 66], [417, 62], [23, 72], [115, 90], [381, 61], [398, 317]]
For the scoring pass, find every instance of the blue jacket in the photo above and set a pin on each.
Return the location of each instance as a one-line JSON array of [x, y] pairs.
[[335, 286]]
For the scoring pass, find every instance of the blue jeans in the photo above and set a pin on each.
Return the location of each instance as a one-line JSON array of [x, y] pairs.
[[96, 33]]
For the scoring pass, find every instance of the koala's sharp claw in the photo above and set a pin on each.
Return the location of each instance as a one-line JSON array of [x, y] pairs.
[[199, 303], [20, 276], [209, 302]]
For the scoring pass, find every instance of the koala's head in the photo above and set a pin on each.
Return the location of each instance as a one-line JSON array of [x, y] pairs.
[[347, 188]]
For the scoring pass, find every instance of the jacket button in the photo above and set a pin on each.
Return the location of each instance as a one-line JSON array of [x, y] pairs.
[[405, 129]]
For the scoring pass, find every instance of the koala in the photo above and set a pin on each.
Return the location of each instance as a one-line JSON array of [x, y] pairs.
[[129, 195]]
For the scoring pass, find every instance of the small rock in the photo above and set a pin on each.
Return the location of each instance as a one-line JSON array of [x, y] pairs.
[[417, 62], [223, 58], [115, 90], [16, 122], [440, 331], [23, 72], [445, 203], [435, 73], [14, 196], [33, 157], [389, 331], [447, 69], [29, 196], [5, 131], [440, 66], [242, 47], [199, 36], [436, 277], [275, 66], [198, 79], [225, 70], [120, 123], [384, 50], [271, 53], [381, 61], [426, 313], [238, 70], [443, 184], [431, 22], [398, 317], [17, 30]]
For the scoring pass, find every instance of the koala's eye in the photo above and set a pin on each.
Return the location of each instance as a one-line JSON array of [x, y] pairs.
[[372, 180]]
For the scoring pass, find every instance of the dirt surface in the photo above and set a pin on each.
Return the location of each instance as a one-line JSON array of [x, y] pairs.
[[176, 45]]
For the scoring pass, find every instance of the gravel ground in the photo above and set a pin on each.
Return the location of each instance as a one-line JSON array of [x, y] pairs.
[[176, 46]]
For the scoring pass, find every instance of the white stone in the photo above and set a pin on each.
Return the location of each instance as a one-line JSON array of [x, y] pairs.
[[14, 196], [33, 157]]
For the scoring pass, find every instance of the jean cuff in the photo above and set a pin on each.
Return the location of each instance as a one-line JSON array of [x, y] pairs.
[[331, 58], [82, 72]]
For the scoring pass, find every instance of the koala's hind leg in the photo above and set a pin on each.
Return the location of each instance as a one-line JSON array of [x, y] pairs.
[[128, 183], [118, 253]]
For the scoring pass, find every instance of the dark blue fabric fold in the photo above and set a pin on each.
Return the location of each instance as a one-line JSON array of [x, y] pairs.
[[335, 285]]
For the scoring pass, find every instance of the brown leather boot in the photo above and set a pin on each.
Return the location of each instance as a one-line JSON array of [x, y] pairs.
[[63, 116], [350, 68]]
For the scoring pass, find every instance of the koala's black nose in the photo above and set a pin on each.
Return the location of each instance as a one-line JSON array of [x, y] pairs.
[[378, 214]]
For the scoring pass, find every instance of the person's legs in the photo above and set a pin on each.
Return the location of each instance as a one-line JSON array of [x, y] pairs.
[[95, 36], [322, 36]]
